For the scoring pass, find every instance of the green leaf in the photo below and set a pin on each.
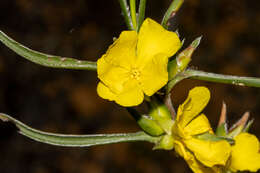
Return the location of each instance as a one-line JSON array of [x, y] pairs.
[[221, 130], [77, 140], [174, 7], [45, 59]]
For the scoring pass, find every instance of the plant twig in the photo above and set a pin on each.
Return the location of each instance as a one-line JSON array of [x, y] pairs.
[[126, 14], [77, 140], [220, 78], [45, 59]]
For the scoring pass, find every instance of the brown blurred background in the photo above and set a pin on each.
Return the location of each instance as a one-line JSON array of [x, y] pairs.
[[65, 101]]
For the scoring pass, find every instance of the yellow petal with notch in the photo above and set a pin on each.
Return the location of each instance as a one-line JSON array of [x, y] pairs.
[[196, 101]]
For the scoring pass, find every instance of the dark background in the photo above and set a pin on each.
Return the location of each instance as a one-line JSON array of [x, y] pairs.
[[65, 101]]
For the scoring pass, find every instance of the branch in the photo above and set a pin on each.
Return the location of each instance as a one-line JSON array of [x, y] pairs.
[[220, 78], [126, 14], [44, 59], [77, 140]]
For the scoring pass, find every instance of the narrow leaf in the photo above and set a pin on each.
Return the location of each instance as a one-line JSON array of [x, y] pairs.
[[174, 7], [44, 59], [77, 140]]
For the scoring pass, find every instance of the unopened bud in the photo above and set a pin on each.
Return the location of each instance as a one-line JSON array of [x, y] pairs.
[[181, 62], [150, 126], [166, 143], [160, 113], [146, 123]]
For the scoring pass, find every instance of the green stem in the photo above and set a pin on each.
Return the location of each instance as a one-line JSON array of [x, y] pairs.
[[220, 78], [141, 13], [213, 77], [175, 80], [133, 13], [77, 140], [44, 59], [174, 7], [126, 14]]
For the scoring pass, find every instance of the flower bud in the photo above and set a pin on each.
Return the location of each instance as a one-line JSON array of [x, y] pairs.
[[160, 113], [166, 143], [180, 63], [150, 126]]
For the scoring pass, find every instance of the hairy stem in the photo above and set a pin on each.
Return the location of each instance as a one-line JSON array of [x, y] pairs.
[[45, 59], [77, 140]]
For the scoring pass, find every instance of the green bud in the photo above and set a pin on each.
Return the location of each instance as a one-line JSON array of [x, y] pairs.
[[166, 143], [150, 126], [160, 113], [147, 124], [181, 62]]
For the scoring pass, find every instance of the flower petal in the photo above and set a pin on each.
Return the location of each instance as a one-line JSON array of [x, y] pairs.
[[154, 74], [193, 163], [196, 101], [209, 153], [198, 126], [104, 92], [123, 51], [132, 94], [154, 39], [112, 76], [245, 155]]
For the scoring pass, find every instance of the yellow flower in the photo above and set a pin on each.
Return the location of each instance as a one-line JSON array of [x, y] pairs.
[[203, 156], [245, 154], [136, 64]]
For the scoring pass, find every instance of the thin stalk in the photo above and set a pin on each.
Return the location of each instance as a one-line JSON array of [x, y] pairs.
[[141, 13], [45, 59], [126, 14], [77, 140], [220, 78], [213, 77], [133, 13], [175, 80], [174, 7]]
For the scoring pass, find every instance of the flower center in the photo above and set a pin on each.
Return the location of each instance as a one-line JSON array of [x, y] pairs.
[[135, 74]]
